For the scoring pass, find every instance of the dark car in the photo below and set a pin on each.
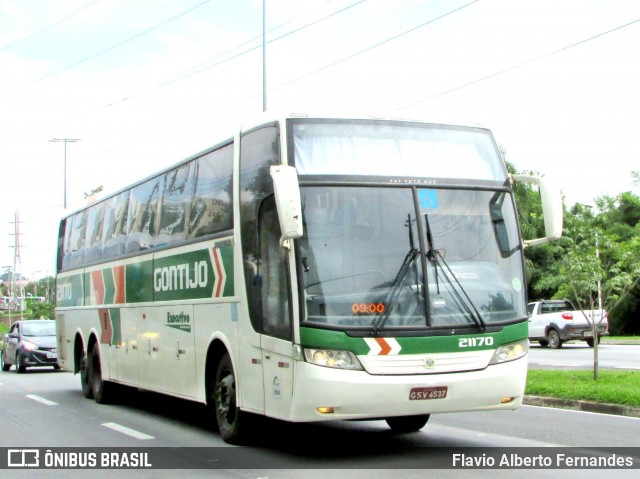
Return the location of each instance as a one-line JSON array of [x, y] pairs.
[[30, 343]]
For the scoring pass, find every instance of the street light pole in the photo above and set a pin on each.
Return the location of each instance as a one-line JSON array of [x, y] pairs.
[[65, 141], [264, 55]]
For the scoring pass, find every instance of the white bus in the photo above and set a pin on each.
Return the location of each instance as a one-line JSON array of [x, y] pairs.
[[307, 269]]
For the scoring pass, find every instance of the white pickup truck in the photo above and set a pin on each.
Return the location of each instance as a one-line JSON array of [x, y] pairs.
[[553, 322]]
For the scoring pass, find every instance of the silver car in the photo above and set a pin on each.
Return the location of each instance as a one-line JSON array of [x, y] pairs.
[[30, 343]]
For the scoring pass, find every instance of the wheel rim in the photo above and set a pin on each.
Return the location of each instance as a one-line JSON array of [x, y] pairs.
[[225, 398], [554, 339]]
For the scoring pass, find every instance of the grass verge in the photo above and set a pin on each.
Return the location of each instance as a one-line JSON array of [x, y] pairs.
[[614, 387]]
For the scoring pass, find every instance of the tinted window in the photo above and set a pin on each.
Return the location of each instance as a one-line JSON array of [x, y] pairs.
[[93, 240], [258, 152], [178, 190], [74, 240], [212, 208], [115, 225], [143, 205]]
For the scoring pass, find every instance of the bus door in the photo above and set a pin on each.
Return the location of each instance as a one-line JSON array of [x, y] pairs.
[[274, 312]]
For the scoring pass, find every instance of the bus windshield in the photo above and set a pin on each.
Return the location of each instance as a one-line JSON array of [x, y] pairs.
[[381, 257]]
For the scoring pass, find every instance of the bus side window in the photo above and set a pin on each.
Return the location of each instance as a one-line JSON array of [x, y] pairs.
[[93, 240], [74, 250], [258, 151], [143, 205], [115, 226], [62, 243], [273, 274], [178, 190], [211, 208]]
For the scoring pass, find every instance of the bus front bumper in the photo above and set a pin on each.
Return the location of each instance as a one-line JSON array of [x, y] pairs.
[[358, 395]]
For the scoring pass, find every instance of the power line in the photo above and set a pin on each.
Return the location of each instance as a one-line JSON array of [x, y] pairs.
[[390, 39], [113, 47], [519, 65], [51, 25], [192, 72]]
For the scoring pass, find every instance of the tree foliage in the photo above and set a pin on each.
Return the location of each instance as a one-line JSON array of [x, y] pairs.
[[600, 246]]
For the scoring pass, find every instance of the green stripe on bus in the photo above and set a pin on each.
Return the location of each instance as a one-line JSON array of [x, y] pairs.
[[139, 282], [70, 290], [116, 326], [327, 339], [109, 286], [184, 276]]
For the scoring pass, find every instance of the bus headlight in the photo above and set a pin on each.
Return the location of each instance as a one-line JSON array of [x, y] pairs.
[[510, 352], [332, 358]]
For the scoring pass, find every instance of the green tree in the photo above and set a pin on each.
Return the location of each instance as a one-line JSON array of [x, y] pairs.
[[598, 269]]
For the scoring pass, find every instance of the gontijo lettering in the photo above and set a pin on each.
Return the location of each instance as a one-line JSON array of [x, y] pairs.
[[181, 276]]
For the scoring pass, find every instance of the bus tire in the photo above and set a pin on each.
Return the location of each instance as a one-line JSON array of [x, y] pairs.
[[407, 423], [102, 390], [228, 415], [85, 378]]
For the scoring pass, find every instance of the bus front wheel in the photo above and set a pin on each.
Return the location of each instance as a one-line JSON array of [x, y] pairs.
[[407, 423], [228, 415]]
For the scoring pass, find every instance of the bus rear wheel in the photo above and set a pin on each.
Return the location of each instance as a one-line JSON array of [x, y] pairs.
[[85, 378], [231, 420], [101, 390], [408, 423]]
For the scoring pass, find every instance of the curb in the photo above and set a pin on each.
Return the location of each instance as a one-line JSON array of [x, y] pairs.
[[586, 406]]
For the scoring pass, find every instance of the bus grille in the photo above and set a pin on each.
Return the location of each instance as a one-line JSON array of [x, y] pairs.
[[426, 363]]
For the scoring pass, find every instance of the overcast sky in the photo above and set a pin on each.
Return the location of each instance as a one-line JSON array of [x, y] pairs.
[[146, 84]]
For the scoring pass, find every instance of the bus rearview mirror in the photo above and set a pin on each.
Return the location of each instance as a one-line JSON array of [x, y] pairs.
[[287, 196], [552, 210]]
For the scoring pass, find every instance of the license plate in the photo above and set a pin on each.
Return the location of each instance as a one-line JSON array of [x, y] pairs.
[[51, 355], [588, 334], [437, 392]]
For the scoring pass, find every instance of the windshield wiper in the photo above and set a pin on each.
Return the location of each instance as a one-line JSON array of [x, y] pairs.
[[394, 289], [462, 298]]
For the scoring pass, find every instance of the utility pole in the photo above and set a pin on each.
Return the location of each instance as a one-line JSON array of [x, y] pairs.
[[264, 55], [65, 141]]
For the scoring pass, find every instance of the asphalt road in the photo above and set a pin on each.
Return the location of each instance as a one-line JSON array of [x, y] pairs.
[[44, 409], [580, 356]]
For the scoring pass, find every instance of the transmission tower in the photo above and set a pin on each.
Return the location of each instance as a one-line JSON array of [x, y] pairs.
[[17, 260]]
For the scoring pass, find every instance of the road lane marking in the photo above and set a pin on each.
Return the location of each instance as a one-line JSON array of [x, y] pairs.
[[42, 400], [127, 431]]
